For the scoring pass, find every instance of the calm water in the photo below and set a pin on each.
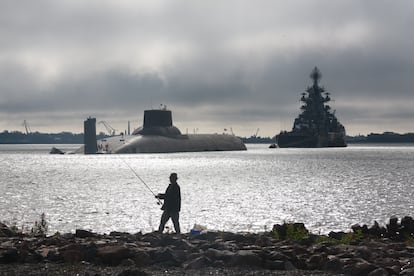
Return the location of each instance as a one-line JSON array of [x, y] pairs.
[[327, 189]]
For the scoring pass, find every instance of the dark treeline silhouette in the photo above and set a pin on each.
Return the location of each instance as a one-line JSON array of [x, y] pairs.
[[386, 137], [17, 137], [258, 140]]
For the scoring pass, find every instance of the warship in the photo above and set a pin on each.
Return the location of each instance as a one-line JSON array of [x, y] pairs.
[[316, 126], [157, 135]]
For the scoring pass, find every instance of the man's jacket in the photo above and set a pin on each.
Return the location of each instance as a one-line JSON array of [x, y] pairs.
[[172, 198]]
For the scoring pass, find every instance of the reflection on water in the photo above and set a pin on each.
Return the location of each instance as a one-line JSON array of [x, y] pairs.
[[327, 189]]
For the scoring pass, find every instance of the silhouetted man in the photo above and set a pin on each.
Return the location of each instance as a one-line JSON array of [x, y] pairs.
[[172, 204]]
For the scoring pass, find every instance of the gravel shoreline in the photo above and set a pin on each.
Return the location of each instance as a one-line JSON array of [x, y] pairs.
[[67, 269], [289, 249]]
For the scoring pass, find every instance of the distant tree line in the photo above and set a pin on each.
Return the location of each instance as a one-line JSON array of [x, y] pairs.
[[258, 140], [17, 137], [386, 137]]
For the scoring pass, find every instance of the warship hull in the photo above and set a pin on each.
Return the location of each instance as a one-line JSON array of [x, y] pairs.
[[300, 140]]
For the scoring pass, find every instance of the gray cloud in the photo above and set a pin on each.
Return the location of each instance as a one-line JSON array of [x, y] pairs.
[[214, 63]]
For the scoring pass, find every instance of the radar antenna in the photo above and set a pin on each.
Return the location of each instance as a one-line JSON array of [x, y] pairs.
[[316, 75]]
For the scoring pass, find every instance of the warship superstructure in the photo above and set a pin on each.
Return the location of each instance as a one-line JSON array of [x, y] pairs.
[[157, 135], [316, 126]]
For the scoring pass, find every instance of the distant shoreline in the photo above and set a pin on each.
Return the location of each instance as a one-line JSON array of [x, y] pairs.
[[17, 137]]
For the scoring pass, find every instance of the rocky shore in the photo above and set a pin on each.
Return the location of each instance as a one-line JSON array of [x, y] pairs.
[[289, 249]]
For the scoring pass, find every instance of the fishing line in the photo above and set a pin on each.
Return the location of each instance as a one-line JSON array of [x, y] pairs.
[[149, 189]]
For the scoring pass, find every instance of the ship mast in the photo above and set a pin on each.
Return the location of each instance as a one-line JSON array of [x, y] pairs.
[[316, 76]]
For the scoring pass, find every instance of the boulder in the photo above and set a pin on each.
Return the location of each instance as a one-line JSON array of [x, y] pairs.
[[393, 228], [113, 254], [219, 255], [407, 226], [141, 258], [359, 267], [167, 257], [408, 272], [316, 261], [197, 263], [274, 265], [376, 230], [333, 263], [5, 231], [8, 255], [277, 256], [49, 253], [75, 252], [246, 258], [80, 233], [378, 272]]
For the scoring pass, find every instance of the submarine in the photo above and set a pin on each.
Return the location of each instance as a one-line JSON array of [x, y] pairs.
[[157, 135]]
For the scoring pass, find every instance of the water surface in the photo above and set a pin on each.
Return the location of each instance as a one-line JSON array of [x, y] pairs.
[[328, 189]]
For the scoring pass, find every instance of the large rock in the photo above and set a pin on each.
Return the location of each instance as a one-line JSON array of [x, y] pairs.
[[316, 261], [113, 254], [359, 267], [5, 231], [219, 255], [408, 272], [274, 265], [75, 252], [378, 272], [8, 255], [80, 233], [197, 263], [246, 258], [141, 257], [333, 263], [407, 226], [49, 253], [167, 256]]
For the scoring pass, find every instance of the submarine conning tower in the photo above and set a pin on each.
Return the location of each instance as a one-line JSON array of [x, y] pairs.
[[157, 118], [158, 122]]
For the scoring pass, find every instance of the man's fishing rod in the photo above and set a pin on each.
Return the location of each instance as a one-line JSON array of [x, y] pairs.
[[149, 189]]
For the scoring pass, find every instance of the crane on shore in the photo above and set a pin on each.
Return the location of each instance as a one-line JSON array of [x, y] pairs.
[[108, 127], [26, 127]]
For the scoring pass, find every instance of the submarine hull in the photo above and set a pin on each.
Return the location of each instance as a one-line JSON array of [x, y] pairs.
[[159, 135], [162, 144], [182, 143]]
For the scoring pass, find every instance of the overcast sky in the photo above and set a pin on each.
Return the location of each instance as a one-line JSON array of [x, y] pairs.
[[216, 64]]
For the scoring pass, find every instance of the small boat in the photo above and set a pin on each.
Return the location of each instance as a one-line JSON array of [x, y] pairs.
[[56, 151]]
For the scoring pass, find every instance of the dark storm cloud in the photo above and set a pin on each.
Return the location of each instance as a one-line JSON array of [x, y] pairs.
[[212, 62]]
